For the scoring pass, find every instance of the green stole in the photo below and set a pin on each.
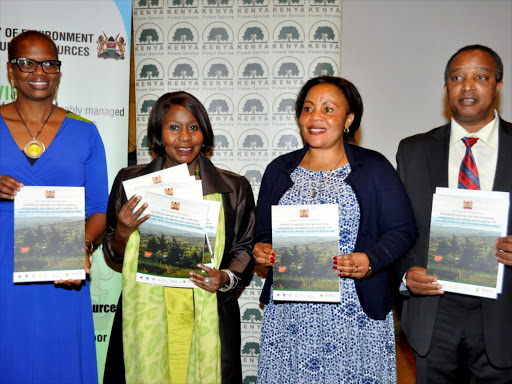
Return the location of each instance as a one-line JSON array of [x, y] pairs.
[[155, 317]]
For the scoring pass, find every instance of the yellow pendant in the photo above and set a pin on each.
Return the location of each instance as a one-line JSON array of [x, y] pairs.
[[34, 148]]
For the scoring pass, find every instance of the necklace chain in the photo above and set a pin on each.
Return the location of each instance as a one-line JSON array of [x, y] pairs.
[[25, 124], [315, 191]]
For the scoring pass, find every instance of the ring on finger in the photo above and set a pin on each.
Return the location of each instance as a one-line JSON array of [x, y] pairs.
[[357, 269], [207, 281]]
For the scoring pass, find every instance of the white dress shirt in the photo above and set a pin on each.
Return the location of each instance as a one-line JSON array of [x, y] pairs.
[[485, 152]]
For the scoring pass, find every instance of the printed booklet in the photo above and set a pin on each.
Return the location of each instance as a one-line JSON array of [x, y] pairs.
[[464, 227], [305, 240], [49, 234]]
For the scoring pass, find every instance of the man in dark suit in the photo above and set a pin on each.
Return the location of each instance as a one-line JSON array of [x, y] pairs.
[[457, 338]]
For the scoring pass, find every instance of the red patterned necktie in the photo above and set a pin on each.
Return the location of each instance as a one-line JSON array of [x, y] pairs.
[[468, 174]]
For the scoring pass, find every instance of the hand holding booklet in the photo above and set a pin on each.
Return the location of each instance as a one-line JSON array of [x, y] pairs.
[[182, 228], [49, 234], [171, 241], [464, 227], [305, 239]]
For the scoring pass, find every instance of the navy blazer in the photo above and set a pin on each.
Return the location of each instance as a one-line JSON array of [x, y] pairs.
[[386, 230], [423, 165]]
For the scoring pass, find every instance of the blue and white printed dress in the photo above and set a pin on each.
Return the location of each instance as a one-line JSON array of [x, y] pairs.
[[326, 343]]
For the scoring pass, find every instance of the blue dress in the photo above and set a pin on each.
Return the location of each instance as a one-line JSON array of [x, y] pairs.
[[326, 343], [47, 333]]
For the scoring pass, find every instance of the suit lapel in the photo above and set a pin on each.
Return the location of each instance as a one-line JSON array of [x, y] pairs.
[[437, 158], [502, 179]]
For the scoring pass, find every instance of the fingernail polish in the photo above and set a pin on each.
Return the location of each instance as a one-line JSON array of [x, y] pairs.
[[334, 267], [272, 260], [335, 261], [273, 253]]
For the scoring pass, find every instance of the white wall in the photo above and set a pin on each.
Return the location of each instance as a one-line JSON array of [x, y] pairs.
[[395, 53]]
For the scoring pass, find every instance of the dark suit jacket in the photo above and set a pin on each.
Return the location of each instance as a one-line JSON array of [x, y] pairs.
[[422, 162], [238, 205], [386, 229]]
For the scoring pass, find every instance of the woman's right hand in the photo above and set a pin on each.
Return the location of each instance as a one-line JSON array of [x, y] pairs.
[[263, 254], [9, 186], [127, 220]]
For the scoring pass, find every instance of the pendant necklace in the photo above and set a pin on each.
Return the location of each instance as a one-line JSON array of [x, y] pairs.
[[315, 191], [34, 148]]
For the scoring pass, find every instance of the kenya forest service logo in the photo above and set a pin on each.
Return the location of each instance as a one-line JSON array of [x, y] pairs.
[[169, 191], [156, 179], [287, 140], [149, 69], [253, 104], [324, 32], [253, 140], [222, 141], [289, 32], [304, 213], [111, 47], [250, 347], [218, 3], [183, 69], [253, 68], [254, 174], [284, 104], [149, 34], [141, 4], [323, 66], [253, 3], [219, 104], [251, 313], [175, 205], [325, 2], [250, 377], [252, 33], [145, 104], [143, 153], [288, 68], [182, 3], [183, 33], [218, 69], [286, 3], [218, 33]]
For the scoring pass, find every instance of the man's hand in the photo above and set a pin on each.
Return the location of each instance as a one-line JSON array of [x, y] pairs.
[[503, 250], [420, 283]]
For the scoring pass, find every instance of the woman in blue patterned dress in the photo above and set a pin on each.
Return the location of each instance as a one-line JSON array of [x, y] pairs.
[[353, 341], [46, 330]]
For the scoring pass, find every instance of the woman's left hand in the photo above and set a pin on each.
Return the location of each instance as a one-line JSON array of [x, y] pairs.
[[212, 281], [354, 265]]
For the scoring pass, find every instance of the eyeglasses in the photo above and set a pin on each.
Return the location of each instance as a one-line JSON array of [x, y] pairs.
[[29, 65]]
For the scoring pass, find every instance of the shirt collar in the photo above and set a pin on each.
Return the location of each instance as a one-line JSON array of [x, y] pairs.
[[488, 134]]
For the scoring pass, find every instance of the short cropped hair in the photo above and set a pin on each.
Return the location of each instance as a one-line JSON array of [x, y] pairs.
[[477, 47], [13, 44], [355, 102], [160, 109]]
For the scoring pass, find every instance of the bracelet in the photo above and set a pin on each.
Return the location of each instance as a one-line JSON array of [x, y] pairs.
[[89, 246], [233, 281]]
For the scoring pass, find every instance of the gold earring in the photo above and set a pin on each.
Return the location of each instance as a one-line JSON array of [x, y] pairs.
[[13, 94]]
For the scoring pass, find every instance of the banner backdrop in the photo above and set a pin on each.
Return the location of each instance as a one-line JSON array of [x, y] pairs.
[[93, 38], [245, 60]]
